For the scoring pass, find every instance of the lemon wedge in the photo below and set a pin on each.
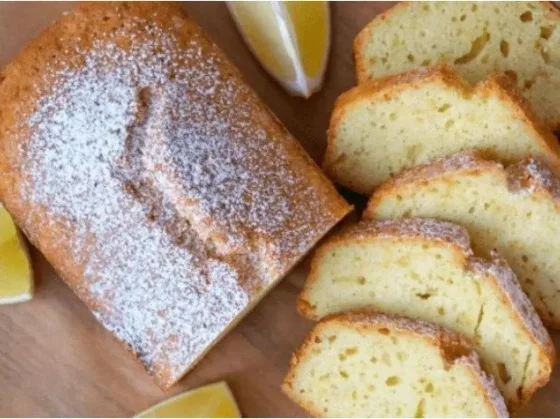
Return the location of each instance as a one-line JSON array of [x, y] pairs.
[[211, 401], [16, 276], [290, 39]]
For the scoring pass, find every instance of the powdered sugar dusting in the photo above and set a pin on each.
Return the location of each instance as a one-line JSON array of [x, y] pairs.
[[182, 209], [397, 322], [529, 175], [439, 167], [422, 228]]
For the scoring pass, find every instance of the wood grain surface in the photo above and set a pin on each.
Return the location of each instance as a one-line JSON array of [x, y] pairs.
[[56, 360]]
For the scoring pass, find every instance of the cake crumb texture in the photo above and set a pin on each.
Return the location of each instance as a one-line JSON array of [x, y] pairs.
[[426, 270], [512, 209], [477, 38], [384, 126], [364, 364]]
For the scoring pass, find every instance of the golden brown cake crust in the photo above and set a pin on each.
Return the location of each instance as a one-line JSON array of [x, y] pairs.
[[526, 176], [154, 180], [467, 161]]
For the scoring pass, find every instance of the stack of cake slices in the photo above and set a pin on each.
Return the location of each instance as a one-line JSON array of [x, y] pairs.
[[434, 303]]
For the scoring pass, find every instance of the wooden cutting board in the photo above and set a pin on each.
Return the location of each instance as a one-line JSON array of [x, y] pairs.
[[56, 360]]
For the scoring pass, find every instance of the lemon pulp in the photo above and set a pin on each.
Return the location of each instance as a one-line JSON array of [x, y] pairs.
[[262, 33], [211, 401], [16, 277], [290, 39], [308, 18]]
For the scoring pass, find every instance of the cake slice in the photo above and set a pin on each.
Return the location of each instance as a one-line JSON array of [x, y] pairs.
[[425, 269], [477, 38], [513, 209], [383, 126], [374, 365], [151, 176]]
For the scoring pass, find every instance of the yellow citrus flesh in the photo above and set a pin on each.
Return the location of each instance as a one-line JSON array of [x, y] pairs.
[[16, 277], [262, 33], [211, 401], [290, 39], [310, 19]]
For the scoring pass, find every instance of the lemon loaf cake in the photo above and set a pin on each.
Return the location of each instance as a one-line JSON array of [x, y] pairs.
[[425, 269], [374, 365], [156, 182], [513, 209], [381, 127], [477, 38]]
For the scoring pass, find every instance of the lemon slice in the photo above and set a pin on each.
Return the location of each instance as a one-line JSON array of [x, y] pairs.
[[211, 401], [290, 39], [16, 276]]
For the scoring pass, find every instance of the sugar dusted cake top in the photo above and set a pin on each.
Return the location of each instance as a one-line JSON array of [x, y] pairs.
[[153, 178]]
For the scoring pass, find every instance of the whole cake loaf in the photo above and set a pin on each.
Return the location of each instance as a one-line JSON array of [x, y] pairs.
[[155, 181]]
